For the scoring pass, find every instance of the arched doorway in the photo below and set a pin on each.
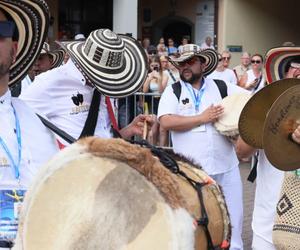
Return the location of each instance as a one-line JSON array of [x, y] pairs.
[[177, 30], [175, 27]]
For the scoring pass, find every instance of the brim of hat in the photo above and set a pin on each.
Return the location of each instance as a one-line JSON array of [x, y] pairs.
[[276, 60], [57, 58], [120, 82], [32, 21], [210, 56]]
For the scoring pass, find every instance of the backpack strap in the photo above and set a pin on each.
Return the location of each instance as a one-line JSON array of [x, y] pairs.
[[222, 87], [220, 84], [177, 89]]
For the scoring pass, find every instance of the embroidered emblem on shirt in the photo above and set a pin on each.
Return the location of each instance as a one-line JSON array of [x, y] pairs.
[[80, 107], [78, 99], [185, 101], [1, 101], [4, 162]]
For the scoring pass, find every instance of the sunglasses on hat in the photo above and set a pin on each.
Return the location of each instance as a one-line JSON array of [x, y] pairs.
[[7, 28]]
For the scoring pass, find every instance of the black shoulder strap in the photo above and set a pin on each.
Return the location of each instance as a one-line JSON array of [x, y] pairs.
[[222, 87], [91, 120], [68, 138], [220, 84], [177, 89]]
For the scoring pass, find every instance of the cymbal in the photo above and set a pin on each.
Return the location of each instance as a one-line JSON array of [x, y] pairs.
[[281, 121], [253, 115]]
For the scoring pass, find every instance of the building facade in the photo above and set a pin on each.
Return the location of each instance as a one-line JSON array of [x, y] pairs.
[[235, 25]]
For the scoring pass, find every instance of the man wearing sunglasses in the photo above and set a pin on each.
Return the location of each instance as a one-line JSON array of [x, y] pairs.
[[190, 119], [25, 144], [223, 73], [282, 62]]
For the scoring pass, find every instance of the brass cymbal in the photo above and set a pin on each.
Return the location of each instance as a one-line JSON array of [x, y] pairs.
[[253, 115], [282, 119]]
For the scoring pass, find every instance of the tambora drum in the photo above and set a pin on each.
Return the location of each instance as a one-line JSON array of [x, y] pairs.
[[109, 194], [233, 105]]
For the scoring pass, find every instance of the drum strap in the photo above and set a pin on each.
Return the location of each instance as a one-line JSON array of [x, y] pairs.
[[172, 165]]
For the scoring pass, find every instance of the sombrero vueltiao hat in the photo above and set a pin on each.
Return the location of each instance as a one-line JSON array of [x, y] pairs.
[[277, 60], [115, 64], [57, 55], [191, 50], [31, 19]]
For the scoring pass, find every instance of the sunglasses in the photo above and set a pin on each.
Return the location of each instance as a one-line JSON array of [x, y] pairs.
[[226, 58], [7, 28], [190, 62], [255, 61]]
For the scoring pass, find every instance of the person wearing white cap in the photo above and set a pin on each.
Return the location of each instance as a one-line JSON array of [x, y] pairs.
[[25, 144], [79, 37], [107, 63]]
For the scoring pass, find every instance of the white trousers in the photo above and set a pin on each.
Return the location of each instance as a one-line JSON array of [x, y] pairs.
[[259, 243], [231, 184]]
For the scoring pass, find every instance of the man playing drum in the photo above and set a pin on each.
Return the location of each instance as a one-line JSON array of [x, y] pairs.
[[25, 143], [190, 120], [269, 179]]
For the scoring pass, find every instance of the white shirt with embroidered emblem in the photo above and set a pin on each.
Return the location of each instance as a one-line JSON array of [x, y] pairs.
[[204, 144], [38, 145], [55, 94]]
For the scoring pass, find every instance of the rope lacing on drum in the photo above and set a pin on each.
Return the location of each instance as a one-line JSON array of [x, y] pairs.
[[172, 165]]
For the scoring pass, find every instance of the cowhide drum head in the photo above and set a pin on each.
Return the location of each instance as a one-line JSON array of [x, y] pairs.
[[227, 124], [109, 194]]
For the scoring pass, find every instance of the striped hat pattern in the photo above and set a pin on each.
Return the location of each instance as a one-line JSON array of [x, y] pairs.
[[191, 50], [31, 18], [115, 64], [57, 55], [277, 60]]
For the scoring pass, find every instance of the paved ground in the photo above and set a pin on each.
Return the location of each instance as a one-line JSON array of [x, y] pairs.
[[249, 191]]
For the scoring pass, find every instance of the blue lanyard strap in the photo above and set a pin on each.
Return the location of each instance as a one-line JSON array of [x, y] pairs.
[[196, 97], [7, 151]]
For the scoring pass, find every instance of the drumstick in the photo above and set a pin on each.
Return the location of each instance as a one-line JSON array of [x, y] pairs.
[[146, 112]]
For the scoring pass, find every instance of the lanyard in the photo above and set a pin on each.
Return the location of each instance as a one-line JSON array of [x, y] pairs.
[[196, 97], [7, 151]]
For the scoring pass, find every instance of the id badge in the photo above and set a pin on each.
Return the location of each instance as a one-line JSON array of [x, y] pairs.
[[10, 207], [201, 128]]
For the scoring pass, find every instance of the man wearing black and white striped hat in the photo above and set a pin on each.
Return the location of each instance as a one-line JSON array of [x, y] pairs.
[[69, 96], [25, 144]]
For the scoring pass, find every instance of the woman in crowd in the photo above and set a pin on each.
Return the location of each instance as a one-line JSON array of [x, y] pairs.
[[155, 84], [253, 79]]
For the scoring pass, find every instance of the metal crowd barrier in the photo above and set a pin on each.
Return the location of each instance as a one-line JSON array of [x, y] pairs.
[[138, 103]]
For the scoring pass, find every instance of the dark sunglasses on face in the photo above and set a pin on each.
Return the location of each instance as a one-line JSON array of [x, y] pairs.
[[190, 62], [6, 28], [255, 61], [226, 58]]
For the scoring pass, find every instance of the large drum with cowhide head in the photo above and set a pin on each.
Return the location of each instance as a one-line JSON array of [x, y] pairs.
[[110, 194]]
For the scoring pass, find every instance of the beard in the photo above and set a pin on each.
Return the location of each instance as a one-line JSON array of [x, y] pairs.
[[191, 80], [5, 66]]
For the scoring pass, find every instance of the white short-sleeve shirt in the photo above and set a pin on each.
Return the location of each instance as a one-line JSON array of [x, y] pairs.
[[227, 75], [205, 145], [57, 94]]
